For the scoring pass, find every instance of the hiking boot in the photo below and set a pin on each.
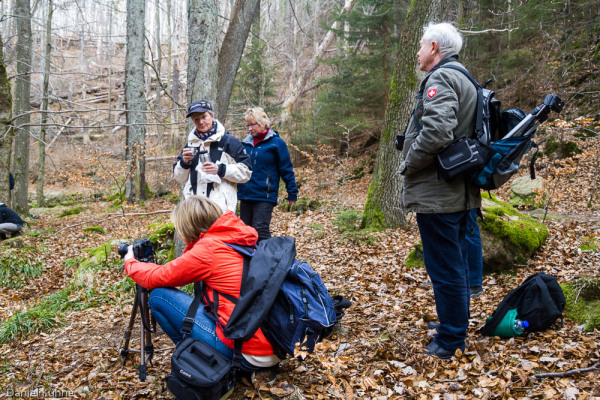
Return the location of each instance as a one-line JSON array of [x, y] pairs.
[[433, 349], [476, 291], [433, 325]]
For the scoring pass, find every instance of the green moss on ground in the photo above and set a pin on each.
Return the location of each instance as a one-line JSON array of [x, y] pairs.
[[583, 302], [95, 229], [506, 223], [415, 257], [72, 211]]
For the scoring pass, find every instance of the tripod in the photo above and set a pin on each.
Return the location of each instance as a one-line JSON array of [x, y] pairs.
[[147, 328]]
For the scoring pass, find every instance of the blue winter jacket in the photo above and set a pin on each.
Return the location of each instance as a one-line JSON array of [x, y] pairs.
[[270, 160]]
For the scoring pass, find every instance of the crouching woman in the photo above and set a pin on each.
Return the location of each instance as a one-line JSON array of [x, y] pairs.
[[204, 228]]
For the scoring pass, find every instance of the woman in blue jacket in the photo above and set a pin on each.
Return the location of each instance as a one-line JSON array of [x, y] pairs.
[[270, 160]]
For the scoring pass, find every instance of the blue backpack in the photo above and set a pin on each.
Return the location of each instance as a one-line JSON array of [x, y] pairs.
[[501, 138], [285, 297]]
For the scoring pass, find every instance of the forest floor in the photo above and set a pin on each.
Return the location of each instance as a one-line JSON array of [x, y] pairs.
[[379, 353]]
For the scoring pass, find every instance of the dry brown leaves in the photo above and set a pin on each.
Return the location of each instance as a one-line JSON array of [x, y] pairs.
[[379, 352]]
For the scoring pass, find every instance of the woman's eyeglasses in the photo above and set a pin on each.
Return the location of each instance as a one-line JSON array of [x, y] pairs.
[[251, 125]]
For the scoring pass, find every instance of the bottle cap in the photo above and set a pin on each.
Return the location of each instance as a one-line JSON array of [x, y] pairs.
[[525, 324]]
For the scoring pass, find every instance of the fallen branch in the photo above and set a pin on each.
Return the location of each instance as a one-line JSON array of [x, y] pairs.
[[568, 373], [113, 217]]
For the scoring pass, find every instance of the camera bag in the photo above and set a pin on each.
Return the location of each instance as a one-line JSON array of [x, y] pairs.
[[198, 371], [463, 156]]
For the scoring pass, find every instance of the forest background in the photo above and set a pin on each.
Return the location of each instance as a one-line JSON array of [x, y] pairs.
[[85, 130]]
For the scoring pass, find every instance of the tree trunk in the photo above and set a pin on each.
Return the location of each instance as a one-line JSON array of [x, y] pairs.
[[5, 131], [203, 48], [21, 106], [383, 208], [203, 36], [44, 108], [310, 68], [157, 105], [136, 101], [243, 14]]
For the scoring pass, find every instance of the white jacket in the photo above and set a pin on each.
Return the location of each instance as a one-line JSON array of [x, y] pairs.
[[233, 163]]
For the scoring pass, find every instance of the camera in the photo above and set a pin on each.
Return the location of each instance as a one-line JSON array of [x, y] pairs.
[[399, 142], [143, 250]]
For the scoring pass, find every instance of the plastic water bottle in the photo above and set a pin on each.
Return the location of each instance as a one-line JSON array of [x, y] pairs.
[[520, 326]]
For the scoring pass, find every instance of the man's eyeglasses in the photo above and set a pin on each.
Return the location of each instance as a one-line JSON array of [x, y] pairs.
[[251, 125]]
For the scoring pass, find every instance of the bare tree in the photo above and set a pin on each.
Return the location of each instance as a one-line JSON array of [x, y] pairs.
[[5, 132], [383, 207], [44, 108], [243, 14], [309, 69], [136, 101], [21, 105]]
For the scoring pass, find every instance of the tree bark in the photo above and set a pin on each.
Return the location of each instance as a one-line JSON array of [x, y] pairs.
[[5, 131], [44, 107], [203, 35], [243, 14], [383, 208], [136, 101], [21, 106], [309, 69]]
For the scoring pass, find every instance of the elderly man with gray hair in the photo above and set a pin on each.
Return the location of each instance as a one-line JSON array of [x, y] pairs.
[[445, 110]]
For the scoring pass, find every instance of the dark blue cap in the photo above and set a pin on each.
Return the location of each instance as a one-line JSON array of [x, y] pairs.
[[199, 106]]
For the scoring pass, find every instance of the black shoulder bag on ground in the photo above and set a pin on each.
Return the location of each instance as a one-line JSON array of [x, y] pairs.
[[198, 371]]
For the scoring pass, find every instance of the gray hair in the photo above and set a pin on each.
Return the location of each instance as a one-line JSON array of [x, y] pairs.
[[446, 35]]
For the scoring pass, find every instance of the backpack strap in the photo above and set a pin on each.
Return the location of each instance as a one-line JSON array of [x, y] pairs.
[[479, 115], [424, 82], [188, 321]]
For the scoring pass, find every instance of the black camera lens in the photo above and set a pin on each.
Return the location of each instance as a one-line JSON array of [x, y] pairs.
[[123, 248]]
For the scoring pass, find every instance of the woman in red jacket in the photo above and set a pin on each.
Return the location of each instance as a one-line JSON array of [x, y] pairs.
[[204, 228]]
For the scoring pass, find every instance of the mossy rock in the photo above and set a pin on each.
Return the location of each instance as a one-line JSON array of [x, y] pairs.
[[509, 238], [559, 149], [302, 205], [583, 302], [415, 257], [524, 191]]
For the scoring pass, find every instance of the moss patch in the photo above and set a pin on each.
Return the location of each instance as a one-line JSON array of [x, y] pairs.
[[583, 302], [95, 229], [506, 223], [302, 205], [72, 211], [415, 257]]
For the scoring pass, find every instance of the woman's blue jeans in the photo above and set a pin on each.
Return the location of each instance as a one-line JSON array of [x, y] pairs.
[[169, 307]]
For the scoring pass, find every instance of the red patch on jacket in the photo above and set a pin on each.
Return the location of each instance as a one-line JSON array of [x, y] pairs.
[[431, 92]]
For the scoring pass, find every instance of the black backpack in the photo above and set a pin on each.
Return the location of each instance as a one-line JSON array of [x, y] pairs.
[[539, 300]]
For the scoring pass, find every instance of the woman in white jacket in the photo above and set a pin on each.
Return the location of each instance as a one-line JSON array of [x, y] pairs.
[[226, 165]]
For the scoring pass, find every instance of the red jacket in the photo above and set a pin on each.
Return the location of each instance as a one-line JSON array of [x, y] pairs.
[[215, 263]]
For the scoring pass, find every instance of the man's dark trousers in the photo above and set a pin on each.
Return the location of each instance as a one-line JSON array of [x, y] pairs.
[[257, 214], [442, 236]]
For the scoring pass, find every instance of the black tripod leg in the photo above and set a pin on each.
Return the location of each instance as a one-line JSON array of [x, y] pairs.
[[144, 302], [127, 334]]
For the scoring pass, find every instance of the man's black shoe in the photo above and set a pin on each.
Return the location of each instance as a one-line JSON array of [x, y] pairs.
[[433, 349], [433, 325], [476, 291]]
